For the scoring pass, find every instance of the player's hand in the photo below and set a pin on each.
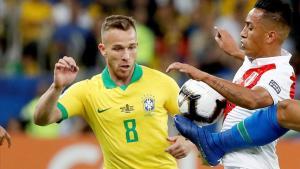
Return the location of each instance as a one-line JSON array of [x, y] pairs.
[[4, 136], [65, 72], [191, 71], [180, 147], [227, 43]]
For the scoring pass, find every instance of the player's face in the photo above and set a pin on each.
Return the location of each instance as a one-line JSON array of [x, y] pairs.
[[120, 50], [253, 34]]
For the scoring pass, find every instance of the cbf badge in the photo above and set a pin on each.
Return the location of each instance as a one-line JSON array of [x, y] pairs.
[[148, 104]]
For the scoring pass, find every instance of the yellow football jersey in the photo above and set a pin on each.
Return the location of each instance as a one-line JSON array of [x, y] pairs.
[[130, 122]]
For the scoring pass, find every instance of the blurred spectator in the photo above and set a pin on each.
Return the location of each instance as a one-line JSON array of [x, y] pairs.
[[232, 21], [296, 21], [73, 37], [35, 18], [227, 7], [15, 92], [2, 32], [29, 58], [35, 30], [201, 44], [146, 37], [113, 6], [200, 34], [186, 7], [61, 13]]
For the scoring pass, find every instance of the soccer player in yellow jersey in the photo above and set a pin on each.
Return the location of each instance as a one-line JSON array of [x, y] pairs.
[[127, 105]]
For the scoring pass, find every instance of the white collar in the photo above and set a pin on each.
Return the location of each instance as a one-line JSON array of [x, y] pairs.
[[282, 59]]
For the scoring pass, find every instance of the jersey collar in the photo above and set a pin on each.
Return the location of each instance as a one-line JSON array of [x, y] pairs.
[[110, 84], [284, 58]]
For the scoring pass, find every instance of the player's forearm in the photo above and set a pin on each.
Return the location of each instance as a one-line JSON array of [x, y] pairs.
[[234, 93], [46, 111], [239, 54]]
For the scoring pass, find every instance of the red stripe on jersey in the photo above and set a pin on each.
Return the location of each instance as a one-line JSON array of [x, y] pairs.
[[292, 90], [249, 80], [228, 108]]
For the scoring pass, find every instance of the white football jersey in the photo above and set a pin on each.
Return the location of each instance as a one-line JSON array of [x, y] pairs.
[[277, 76]]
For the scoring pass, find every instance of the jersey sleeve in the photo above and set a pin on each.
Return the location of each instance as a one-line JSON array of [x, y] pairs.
[[70, 102], [277, 83], [172, 97]]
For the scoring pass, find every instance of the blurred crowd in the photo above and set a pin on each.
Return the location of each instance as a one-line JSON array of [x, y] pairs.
[[34, 34]]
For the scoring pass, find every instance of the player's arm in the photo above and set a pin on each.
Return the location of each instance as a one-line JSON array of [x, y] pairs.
[[250, 99], [288, 114], [46, 111], [4, 136], [65, 72], [180, 146], [227, 44]]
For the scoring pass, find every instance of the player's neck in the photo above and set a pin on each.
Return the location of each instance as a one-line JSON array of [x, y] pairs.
[[273, 50], [120, 81], [269, 52]]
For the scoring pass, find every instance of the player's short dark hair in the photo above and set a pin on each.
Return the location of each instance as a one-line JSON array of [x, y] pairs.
[[118, 22], [277, 10]]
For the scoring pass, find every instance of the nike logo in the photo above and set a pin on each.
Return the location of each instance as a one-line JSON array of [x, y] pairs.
[[103, 110]]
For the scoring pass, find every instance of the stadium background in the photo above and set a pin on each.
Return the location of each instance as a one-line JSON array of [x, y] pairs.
[[35, 33]]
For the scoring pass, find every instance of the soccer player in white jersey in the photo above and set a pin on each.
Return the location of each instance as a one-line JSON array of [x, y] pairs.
[[265, 78]]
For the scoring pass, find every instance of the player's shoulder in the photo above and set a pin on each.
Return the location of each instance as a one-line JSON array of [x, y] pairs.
[[95, 79], [283, 69], [156, 74], [283, 62], [88, 83], [286, 68]]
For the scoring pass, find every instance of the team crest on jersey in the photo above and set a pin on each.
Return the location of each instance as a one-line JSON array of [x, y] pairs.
[[148, 104]]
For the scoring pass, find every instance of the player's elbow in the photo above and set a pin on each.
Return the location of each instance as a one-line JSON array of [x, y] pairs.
[[288, 114], [282, 116], [256, 102], [39, 120], [251, 105], [43, 118]]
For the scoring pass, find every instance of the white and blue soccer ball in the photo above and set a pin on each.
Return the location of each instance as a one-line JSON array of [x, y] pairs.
[[201, 103]]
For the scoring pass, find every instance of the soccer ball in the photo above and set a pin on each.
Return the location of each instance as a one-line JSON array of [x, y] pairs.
[[201, 103]]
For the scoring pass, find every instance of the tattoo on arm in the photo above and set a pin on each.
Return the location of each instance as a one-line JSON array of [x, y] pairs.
[[230, 91]]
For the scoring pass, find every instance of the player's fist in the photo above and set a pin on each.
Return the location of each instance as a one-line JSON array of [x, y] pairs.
[[65, 72], [226, 42], [180, 147]]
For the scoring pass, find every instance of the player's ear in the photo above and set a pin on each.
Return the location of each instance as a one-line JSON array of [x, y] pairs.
[[102, 50], [271, 36]]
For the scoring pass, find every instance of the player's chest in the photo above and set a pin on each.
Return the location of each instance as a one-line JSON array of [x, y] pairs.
[[116, 104], [250, 76]]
